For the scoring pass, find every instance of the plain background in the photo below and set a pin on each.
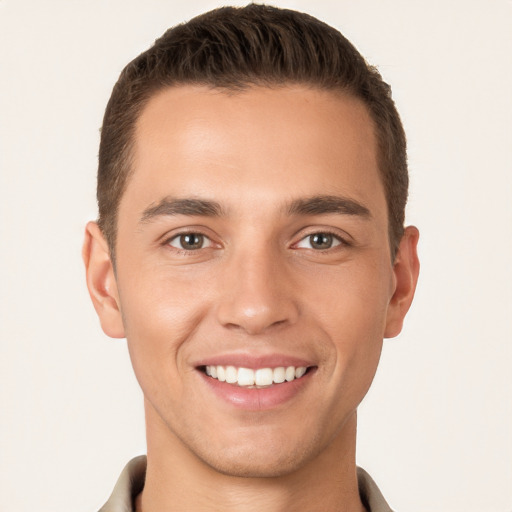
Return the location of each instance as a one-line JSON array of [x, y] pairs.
[[436, 428]]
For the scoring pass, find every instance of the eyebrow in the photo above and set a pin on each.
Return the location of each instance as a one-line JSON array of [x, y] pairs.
[[315, 205], [189, 206], [321, 205]]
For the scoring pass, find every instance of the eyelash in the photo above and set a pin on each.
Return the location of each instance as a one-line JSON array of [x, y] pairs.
[[337, 238], [340, 241], [187, 252]]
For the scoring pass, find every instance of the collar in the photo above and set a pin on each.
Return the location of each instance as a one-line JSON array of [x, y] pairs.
[[131, 482]]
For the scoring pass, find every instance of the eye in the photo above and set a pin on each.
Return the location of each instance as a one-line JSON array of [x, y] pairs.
[[319, 241], [190, 241]]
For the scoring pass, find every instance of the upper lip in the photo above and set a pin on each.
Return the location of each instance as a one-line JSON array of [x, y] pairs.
[[243, 360]]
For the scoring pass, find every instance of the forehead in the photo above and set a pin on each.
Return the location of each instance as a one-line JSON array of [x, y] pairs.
[[273, 144]]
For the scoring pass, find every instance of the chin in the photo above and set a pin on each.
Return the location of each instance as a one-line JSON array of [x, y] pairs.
[[256, 459], [255, 467]]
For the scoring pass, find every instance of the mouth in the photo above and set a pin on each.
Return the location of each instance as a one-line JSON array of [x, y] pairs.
[[255, 382], [259, 378]]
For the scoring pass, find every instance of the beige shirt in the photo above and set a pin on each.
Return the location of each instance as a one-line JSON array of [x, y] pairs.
[[131, 482]]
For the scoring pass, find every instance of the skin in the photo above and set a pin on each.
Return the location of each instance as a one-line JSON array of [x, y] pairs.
[[256, 287]]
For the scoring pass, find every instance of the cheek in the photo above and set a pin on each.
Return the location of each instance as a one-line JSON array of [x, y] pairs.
[[352, 301], [159, 316], [352, 312]]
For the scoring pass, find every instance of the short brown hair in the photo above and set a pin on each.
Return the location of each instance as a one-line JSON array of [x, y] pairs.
[[234, 48]]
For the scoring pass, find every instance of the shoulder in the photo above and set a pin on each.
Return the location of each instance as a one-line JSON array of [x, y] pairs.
[[129, 484], [371, 496]]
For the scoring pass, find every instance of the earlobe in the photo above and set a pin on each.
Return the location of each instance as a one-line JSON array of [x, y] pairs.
[[406, 269], [101, 281]]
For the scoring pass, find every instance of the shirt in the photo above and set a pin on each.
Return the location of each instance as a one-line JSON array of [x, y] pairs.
[[131, 483]]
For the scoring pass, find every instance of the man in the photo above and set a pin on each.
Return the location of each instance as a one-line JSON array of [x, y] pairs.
[[250, 246]]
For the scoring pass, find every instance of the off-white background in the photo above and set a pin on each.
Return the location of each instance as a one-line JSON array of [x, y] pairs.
[[436, 428]]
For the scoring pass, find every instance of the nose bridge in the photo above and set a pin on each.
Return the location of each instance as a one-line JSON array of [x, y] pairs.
[[255, 290]]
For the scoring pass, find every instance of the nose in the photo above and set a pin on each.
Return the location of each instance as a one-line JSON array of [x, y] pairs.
[[257, 293]]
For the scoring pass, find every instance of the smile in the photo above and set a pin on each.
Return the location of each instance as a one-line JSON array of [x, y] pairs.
[[255, 378]]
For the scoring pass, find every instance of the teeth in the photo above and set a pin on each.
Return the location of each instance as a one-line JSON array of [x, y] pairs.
[[264, 377], [299, 372], [245, 377], [260, 378], [231, 374], [279, 375]]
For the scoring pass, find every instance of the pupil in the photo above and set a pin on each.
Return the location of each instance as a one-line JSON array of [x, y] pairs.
[[191, 241], [321, 240]]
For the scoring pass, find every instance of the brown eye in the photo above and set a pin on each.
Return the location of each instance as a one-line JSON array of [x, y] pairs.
[[319, 241], [190, 241]]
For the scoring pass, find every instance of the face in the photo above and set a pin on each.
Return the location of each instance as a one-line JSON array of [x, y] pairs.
[[254, 278]]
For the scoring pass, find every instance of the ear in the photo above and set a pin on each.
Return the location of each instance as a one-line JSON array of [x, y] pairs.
[[101, 281], [405, 269]]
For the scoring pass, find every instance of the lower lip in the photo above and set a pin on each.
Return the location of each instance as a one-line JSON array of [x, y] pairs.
[[257, 399]]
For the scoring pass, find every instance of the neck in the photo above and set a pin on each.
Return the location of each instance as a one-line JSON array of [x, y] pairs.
[[178, 480]]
